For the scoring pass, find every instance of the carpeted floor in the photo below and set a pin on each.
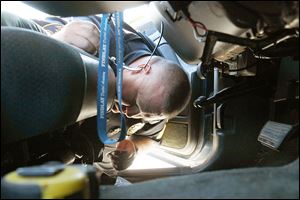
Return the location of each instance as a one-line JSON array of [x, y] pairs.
[[267, 182]]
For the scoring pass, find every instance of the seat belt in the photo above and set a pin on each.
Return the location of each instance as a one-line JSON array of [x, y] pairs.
[[102, 89]]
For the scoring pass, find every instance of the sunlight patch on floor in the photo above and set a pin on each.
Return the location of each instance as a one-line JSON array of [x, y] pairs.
[[146, 161]]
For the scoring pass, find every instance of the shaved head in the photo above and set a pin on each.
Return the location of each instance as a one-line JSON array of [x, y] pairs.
[[161, 92], [166, 90]]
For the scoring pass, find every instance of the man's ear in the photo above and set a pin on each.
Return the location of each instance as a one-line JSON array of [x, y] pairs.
[[137, 72], [145, 68]]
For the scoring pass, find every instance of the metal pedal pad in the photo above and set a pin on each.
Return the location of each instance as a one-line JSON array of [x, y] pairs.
[[273, 134]]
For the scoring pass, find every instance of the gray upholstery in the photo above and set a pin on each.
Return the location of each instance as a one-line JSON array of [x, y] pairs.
[[42, 84], [267, 182]]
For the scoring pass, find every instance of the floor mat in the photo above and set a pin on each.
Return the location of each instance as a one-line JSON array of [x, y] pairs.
[[175, 136], [264, 183]]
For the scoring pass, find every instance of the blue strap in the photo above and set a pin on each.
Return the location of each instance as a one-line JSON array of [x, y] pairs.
[[102, 90], [120, 63]]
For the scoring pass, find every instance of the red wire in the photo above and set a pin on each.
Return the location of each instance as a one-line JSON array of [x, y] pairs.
[[196, 25], [200, 25]]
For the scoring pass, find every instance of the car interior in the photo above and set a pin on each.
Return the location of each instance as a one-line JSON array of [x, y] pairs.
[[237, 137]]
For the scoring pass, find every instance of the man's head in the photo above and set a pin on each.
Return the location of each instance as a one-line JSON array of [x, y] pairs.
[[160, 93]]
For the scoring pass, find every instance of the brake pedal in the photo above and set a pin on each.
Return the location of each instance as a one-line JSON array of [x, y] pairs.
[[273, 134]]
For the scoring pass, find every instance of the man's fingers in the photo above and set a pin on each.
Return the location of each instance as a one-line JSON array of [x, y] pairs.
[[121, 164], [82, 43], [92, 44], [91, 35], [90, 29], [82, 34], [88, 26], [119, 155], [121, 159]]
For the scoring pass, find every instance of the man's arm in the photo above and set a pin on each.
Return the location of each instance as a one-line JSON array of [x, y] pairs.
[[11, 20], [82, 34]]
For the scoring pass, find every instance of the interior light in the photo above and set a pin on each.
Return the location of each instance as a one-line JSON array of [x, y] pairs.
[[22, 10]]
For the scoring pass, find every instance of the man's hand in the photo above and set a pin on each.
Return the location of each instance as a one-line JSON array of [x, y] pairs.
[[82, 34], [124, 155]]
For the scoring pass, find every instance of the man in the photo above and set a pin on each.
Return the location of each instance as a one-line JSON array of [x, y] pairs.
[[153, 94], [150, 97]]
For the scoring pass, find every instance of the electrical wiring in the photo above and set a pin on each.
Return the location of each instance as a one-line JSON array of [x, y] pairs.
[[146, 66], [196, 26], [164, 43], [161, 34]]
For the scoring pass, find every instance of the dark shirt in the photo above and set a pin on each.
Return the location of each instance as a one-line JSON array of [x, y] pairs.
[[134, 45]]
